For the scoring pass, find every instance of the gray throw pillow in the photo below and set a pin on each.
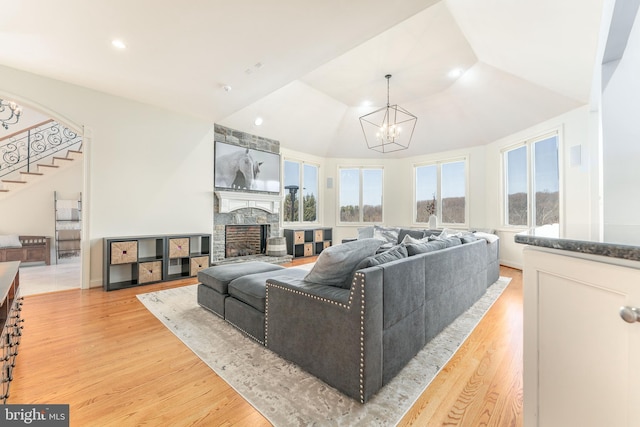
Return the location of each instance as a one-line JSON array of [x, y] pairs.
[[448, 240], [336, 263], [396, 252], [423, 248]]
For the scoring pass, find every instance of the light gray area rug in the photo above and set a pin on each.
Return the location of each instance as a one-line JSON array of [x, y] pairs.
[[289, 396]]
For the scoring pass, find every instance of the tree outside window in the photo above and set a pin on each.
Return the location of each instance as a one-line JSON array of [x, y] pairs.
[[361, 194], [440, 190], [532, 184]]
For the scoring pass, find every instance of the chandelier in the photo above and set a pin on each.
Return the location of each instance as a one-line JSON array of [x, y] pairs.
[[389, 128], [12, 115]]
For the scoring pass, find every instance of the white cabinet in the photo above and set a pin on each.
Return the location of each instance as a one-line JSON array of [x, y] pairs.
[[581, 360]]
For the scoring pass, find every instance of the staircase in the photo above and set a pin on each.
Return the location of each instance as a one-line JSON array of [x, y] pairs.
[[30, 154]]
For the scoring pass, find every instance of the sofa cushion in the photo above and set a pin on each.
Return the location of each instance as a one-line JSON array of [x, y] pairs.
[[336, 264], [251, 289], [425, 247], [396, 252], [219, 276], [10, 241]]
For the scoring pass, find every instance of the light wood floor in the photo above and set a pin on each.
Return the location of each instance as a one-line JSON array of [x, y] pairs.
[[115, 364]]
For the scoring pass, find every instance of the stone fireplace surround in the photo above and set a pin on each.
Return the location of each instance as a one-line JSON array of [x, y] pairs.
[[240, 208], [244, 207]]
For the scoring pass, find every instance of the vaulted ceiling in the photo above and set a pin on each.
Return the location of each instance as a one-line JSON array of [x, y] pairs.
[[308, 68]]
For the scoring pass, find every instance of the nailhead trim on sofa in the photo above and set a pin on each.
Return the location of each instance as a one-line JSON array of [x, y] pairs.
[[358, 278]]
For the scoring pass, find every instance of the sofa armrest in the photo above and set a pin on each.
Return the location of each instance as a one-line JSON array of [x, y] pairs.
[[333, 333]]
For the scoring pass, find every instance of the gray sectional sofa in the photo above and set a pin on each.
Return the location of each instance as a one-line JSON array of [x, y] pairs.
[[357, 318]]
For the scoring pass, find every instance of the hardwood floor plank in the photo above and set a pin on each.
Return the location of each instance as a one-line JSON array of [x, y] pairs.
[[115, 364]]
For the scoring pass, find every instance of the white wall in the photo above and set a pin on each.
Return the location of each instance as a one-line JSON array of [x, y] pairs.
[[621, 146], [151, 170]]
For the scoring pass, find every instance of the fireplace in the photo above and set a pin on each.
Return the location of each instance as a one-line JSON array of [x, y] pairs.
[[243, 240]]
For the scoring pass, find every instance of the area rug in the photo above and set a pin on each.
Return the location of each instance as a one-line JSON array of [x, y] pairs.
[[289, 396]]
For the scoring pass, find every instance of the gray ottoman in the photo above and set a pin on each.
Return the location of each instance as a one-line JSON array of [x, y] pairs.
[[245, 308], [214, 282]]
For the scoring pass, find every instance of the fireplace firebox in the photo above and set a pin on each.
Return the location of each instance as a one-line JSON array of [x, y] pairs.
[[243, 240]]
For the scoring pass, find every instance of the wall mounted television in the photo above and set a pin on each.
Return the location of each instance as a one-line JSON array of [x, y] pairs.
[[245, 169]]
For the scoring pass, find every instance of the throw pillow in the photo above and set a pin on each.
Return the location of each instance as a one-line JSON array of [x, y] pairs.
[[396, 252], [336, 263], [468, 238], [490, 238], [425, 247], [416, 234], [10, 241], [408, 240], [388, 234]]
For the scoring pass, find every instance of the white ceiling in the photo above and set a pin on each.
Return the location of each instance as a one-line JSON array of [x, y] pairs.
[[524, 62]]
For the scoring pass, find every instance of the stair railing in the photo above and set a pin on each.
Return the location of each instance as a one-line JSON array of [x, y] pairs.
[[31, 145]]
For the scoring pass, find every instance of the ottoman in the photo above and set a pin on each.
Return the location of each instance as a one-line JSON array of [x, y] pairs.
[[245, 306], [213, 288]]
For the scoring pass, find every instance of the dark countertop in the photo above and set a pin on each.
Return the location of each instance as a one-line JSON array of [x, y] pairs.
[[548, 237]]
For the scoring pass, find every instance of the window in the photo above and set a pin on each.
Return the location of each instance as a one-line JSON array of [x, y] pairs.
[[441, 190], [361, 194], [532, 184], [301, 188]]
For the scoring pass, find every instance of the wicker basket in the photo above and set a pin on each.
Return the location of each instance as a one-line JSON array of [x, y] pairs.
[[124, 252], [198, 263], [150, 272], [178, 248]]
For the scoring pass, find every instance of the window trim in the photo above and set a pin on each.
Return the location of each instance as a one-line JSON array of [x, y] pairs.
[[529, 143], [300, 222], [438, 163], [360, 195]]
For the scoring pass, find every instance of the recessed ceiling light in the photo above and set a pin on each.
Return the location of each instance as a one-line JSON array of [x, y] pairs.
[[455, 73], [118, 44], [227, 88], [258, 121], [366, 103]]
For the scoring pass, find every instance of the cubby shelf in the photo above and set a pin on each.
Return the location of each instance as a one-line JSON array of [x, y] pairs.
[[141, 260], [303, 242]]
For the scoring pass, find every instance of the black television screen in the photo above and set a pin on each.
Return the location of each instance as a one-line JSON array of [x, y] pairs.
[[240, 168]]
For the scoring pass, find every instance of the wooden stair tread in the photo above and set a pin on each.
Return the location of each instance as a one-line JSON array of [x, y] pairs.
[[48, 166], [62, 158], [13, 181], [31, 173], [74, 151]]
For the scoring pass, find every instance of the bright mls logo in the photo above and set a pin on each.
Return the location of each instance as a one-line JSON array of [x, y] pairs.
[[35, 415]]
